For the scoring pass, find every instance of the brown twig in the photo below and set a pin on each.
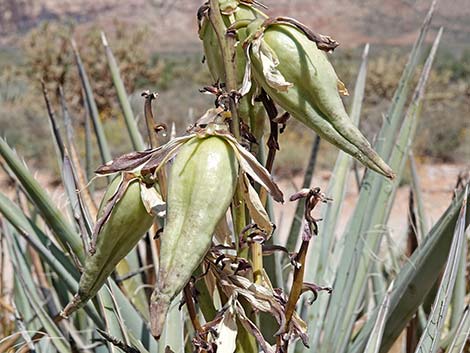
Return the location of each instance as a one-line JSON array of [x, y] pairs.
[[188, 299], [153, 128], [117, 342], [323, 42], [149, 118], [298, 281], [312, 198], [272, 143]]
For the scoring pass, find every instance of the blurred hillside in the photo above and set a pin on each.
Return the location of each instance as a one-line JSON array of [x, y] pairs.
[[172, 22]]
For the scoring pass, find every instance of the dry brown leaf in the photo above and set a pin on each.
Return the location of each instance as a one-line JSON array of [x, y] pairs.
[[255, 206]]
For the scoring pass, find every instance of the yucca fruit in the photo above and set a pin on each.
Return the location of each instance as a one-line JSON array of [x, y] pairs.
[[250, 112], [201, 186], [298, 76], [207, 34], [116, 235]]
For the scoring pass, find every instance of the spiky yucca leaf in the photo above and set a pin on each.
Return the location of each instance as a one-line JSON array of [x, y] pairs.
[[321, 266], [462, 333], [63, 231], [416, 278], [430, 338], [365, 228], [134, 134], [91, 106]]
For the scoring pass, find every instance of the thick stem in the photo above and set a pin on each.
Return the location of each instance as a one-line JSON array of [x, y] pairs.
[[227, 43], [257, 262], [294, 294], [256, 249], [227, 48], [297, 282], [311, 200]]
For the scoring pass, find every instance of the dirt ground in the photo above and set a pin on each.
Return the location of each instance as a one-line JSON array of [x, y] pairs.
[[437, 185]]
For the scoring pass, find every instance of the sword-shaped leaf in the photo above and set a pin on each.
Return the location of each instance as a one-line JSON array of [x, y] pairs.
[[430, 338]]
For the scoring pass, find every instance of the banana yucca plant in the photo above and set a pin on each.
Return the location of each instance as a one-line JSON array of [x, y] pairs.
[[177, 255]]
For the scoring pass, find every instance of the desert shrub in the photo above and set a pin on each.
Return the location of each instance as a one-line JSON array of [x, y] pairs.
[[48, 54]]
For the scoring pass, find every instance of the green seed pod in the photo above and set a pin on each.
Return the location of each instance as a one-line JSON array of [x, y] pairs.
[[200, 188], [211, 45], [298, 76], [122, 230], [252, 112]]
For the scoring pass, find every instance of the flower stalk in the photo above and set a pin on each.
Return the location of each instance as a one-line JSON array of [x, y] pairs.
[[312, 198], [227, 43], [152, 129]]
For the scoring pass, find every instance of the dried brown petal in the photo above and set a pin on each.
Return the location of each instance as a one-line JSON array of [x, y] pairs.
[[299, 194], [252, 167], [251, 327], [152, 201], [255, 206], [323, 42], [227, 330], [312, 287], [269, 62], [126, 162], [298, 328], [260, 297]]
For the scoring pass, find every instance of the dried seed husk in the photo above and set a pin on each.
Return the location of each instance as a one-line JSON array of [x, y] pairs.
[[299, 77], [200, 188], [125, 226]]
